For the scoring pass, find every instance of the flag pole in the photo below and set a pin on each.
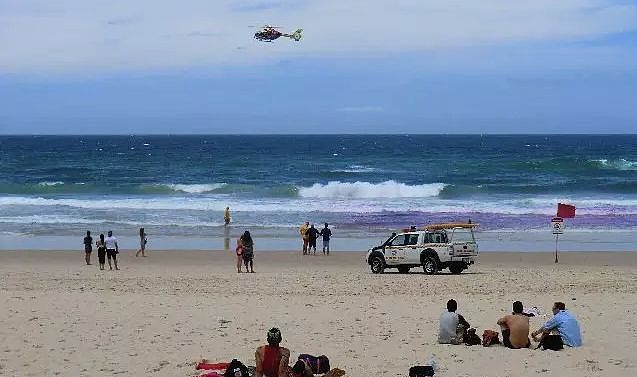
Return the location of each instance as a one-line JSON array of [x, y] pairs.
[[556, 238]]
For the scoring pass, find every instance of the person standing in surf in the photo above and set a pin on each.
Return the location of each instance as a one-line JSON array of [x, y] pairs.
[[88, 247], [226, 216], [304, 237], [327, 234], [247, 250], [312, 235], [143, 240]]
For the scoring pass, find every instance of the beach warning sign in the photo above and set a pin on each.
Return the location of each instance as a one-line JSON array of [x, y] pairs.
[[557, 224]]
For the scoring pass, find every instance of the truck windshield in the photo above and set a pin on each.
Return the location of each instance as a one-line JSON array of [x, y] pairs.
[[462, 235]]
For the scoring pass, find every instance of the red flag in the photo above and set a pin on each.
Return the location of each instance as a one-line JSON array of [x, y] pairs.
[[565, 210]]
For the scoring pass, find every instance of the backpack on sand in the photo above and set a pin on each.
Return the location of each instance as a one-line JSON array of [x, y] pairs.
[[421, 371], [551, 342], [490, 337], [236, 369], [471, 338]]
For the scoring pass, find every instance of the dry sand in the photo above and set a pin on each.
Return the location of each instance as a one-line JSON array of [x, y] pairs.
[[159, 314]]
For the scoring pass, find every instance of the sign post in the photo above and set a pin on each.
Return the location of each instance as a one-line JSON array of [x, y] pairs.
[[557, 224]]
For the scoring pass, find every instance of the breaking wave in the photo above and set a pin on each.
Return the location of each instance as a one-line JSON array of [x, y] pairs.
[[619, 164], [194, 188], [366, 190]]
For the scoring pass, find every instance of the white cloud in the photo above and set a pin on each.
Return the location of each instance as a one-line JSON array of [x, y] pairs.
[[83, 36]]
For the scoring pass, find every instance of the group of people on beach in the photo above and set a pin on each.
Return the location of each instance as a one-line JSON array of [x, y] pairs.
[[561, 329], [309, 235], [107, 248]]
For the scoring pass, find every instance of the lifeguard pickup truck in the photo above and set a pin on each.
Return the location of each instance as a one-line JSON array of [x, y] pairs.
[[434, 247]]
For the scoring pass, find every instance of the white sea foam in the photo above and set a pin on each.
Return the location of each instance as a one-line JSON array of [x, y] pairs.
[[196, 188], [432, 204], [620, 164], [355, 169], [364, 190], [49, 183]]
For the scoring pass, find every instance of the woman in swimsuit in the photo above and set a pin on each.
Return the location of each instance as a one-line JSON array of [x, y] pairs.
[[239, 251]]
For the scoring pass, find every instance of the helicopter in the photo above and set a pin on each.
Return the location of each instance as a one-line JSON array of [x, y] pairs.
[[270, 33]]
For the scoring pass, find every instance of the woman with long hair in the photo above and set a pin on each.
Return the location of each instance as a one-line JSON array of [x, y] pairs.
[[101, 250], [247, 247], [142, 242]]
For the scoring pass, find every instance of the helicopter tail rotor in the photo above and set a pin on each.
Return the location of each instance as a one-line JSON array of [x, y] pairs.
[[296, 35]]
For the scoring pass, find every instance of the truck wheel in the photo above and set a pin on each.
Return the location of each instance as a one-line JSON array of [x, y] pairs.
[[430, 265], [403, 269], [456, 268], [377, 265]]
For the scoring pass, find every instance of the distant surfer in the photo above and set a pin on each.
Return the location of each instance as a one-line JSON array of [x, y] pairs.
[[226, 216]]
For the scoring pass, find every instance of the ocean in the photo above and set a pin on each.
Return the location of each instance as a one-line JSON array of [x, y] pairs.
[[365, 186]]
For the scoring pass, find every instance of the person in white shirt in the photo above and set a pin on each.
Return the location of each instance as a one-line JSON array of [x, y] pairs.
[[452, 325], [111, 249]]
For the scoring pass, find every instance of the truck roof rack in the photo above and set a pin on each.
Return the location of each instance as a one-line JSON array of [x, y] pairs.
[[449, 226]]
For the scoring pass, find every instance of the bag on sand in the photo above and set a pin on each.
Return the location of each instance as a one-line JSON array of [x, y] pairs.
[[319, 365], [236, 369], [471, 338], [421, 371], [551, 342], [490, 337]]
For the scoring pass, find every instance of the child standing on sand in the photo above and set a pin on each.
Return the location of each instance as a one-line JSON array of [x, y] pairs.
[[239, 251]]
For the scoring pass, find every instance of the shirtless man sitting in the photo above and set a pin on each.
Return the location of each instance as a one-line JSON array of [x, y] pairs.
[[515, 328]]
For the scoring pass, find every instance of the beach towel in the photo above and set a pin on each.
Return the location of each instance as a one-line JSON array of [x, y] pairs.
[[212, 369], [212, 366]]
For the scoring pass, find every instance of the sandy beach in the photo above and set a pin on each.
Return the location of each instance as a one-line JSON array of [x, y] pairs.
[[160, 314]]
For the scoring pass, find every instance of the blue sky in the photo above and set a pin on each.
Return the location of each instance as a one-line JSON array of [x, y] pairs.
[[443, 66]]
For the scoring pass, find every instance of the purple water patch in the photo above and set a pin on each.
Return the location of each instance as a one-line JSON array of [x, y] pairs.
[[486, 221]]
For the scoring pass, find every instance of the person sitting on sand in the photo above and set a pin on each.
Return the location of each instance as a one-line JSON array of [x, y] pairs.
[[452, 325], [515, 328], [247, 250], [88, 247], [272, 360], [303, 369], [564, 323]]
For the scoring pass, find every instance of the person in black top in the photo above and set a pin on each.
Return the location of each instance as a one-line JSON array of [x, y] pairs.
[[101, 251], [327, 234], [88, 247], [247, 250], [312, 235]]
